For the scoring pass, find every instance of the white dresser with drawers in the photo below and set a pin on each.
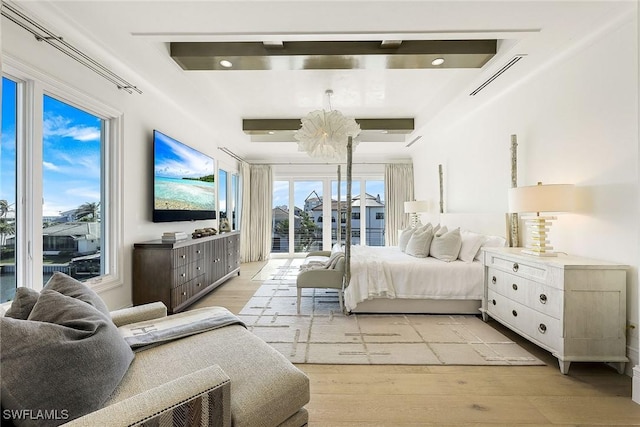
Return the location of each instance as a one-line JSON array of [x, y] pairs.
[[573, 307]]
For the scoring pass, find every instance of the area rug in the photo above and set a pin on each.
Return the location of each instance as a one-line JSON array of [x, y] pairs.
[[279, 269], [322, 334]]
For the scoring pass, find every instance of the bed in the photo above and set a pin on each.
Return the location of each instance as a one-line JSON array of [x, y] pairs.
[[387, 280]]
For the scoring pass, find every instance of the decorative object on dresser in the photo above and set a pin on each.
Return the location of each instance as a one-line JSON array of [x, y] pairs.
[[174, 236], [179, 273], [224, 225], [571, 306], [540, 198], [203, 232], [414, 208]]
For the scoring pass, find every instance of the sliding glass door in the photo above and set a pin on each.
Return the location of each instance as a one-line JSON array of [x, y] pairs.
[[319, 220]]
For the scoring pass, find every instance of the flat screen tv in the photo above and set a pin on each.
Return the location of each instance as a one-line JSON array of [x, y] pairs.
[[183, 182]]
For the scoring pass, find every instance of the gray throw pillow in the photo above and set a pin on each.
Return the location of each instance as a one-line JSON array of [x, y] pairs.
[[69, 286], [404, 238], [446, 245], [420, 242], [68, 357], [22, 303]]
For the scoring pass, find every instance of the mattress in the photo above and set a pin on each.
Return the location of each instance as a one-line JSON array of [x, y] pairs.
[[387, 272]]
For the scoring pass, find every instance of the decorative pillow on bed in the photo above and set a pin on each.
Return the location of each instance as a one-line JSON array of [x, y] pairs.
[[22, 303], [491, 242], [404, 237], [470, 247], [445, 245], [420, 242]]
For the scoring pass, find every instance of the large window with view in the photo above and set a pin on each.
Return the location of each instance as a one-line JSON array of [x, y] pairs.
[[72, 232], [60, 169], [8, 207]]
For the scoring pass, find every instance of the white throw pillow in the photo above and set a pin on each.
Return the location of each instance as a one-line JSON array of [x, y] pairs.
[[405, 235], [491, 242], [471, 243], [445, 245], [420, 242]]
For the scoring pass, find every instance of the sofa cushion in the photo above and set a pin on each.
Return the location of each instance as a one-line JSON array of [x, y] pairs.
[[22, 303], [266, 389], [67, 356]]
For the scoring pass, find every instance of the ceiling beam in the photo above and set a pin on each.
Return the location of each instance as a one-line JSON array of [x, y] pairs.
[[324, 55], [270, 126]]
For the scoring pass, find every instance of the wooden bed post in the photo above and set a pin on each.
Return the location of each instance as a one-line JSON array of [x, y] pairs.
[[441, 188], [513, 236], [347, 249]]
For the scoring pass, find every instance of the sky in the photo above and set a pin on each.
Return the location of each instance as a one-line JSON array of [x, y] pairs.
[[71, 154], [176, 160]]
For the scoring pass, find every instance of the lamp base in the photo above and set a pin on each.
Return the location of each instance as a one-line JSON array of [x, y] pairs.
[[537, 232], [538, 253]]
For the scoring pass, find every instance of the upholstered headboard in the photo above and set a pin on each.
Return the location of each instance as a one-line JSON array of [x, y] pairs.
[[485, 223]]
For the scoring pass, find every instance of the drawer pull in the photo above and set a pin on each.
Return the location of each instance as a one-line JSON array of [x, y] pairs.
[[183, 256], [198, 284], [543, 298], [494, 280], [515, 313], [198, 268], [184, 294], [515, 267], [515, 287], [542, 328], [494, 302], [183, 275]]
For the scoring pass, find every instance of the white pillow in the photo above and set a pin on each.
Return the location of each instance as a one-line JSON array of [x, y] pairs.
[[491, 242], [445, 245], [470, 247], [405, 235], [420, 242]]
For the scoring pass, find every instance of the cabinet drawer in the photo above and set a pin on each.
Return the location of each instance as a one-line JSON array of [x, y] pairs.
[[524, 269], [188, 254], [546, 330], [535, 295], [179, 295]]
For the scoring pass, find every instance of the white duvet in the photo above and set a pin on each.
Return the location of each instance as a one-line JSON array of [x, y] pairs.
[[387, 272]]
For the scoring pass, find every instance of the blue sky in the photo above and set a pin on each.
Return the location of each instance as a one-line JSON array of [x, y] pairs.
[[71, 153], [176, 160]]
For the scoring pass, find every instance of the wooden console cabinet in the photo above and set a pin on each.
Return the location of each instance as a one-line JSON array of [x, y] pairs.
[[573, 307], [180, 273]]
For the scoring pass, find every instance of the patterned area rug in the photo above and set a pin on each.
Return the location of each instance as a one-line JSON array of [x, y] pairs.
[[323, 334], [279, 269]]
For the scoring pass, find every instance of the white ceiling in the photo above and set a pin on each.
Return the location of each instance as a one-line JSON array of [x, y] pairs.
[[132, 38]]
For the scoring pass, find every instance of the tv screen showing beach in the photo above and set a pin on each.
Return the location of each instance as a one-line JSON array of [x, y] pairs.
[[183, 177]]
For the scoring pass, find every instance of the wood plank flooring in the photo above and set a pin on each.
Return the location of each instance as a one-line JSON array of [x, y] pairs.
[[392, 395]]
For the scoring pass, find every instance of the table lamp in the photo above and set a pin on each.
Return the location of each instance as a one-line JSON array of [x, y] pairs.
[[414, 207], [540, 198]]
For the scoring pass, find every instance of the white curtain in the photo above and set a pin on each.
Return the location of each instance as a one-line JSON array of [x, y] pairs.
[[398, 188], [255, 222]]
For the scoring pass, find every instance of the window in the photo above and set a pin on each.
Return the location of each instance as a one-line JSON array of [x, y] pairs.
[[355, 215], [8, 208], [379, 215], [61, 167], [222, 196], [233, 200], [72, 233], [319, 219]]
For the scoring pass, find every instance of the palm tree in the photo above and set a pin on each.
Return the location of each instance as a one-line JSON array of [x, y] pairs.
[[7, 226], [4, 208], [88, 211]]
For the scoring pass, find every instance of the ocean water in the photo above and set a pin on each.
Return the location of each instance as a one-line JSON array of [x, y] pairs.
[[174, 193]]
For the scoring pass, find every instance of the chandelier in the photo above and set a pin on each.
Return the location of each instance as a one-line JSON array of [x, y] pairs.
[[325, 134]]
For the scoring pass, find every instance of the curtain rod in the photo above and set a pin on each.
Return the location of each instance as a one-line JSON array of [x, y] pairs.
[[42, 34]]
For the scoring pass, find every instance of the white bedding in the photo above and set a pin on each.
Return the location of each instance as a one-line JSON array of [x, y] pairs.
[[387, 272]]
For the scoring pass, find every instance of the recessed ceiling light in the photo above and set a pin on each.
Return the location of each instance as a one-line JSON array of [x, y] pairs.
[[226, 64], [437, 61]]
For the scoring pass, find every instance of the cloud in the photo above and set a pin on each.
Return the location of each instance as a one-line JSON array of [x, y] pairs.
[[62, 127], [50, 166]]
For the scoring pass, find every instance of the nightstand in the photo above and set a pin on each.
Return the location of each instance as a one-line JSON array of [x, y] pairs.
[[571, 306]]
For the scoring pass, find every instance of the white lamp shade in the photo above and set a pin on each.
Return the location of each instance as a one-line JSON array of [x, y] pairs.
[[542, 198], [416, 206]]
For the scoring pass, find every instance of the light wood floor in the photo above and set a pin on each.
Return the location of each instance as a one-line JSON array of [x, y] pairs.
[[392, 395]]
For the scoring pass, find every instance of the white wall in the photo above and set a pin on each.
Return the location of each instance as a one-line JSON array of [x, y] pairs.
[[142, 114], [576, 122]]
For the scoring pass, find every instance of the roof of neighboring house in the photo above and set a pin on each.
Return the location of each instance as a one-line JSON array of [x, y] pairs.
[[77, 230]]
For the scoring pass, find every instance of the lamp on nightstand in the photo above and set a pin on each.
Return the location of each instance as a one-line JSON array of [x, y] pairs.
[[415, 207], [540, 198]]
